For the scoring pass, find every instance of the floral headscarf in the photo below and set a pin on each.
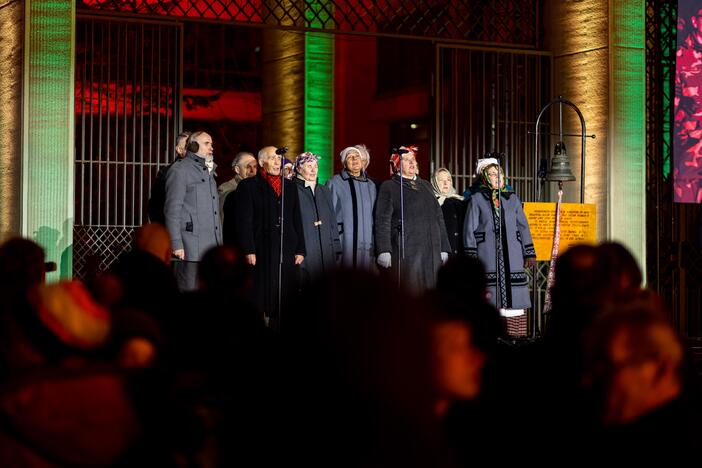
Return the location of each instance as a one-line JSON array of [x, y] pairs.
[[486, 187], [395, 158]]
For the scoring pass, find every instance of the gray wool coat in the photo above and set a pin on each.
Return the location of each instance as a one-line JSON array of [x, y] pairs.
[[354, 200], [425, 231], [319, 228], [506, 272], [192, 207]]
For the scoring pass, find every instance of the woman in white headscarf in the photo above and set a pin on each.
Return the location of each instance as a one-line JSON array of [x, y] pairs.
[[452, 206]]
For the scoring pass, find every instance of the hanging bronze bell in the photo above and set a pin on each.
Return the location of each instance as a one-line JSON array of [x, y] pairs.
[[560, 165]]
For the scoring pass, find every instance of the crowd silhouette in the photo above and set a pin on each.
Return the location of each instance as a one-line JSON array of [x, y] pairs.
[[122, 369]]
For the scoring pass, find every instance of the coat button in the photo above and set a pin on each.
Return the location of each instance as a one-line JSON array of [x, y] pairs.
[[213, 198], [203, 180]]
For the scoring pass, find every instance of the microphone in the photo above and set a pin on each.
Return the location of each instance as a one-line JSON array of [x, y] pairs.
[[400, 151], [281, 151]]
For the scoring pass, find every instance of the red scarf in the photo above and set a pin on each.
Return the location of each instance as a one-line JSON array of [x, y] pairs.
[[274, 181]]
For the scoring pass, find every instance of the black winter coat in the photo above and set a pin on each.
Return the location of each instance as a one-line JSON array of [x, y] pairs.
[[425, 232], [454, 211], [257, 211], [320, 230]]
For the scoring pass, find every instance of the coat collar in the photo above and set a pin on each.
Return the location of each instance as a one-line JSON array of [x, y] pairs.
[[200, 161], [346, 176], [408, 183]]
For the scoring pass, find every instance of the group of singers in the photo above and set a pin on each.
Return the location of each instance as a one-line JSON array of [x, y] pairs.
[[404, 225]]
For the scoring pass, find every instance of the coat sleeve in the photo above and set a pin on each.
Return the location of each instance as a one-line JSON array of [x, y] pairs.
[[336, 206], [244, 225], [445, 244], [383, 219], [297, 221], [335, 228], [176, 186], [230, 217], [470, 224], [524, 232]]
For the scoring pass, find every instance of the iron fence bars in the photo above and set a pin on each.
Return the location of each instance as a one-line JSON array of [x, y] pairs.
[[128, 85]]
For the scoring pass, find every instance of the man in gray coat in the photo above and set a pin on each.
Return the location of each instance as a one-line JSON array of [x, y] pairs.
[[192, 208]]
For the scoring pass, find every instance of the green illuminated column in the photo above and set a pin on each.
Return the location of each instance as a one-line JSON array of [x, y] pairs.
[[47, 143], [627, 127], [319, 88]]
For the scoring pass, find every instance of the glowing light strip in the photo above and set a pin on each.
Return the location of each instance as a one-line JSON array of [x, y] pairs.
[[319, 89], [627, 127], [48, 129]]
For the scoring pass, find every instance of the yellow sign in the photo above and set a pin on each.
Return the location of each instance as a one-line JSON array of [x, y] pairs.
[[578, 226]]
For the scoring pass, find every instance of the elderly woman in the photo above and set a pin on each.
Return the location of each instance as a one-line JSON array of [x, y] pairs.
[[353, 196], [425, 242], [318, 219], [497, 232], [452, 206]]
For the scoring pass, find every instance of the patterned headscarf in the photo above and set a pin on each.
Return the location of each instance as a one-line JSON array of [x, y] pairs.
[[303, 159], [486, 187], [441, 197], [395, 158]]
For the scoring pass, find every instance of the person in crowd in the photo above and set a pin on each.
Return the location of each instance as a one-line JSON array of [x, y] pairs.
[[244, 166], [452, 206], [288, 169], [410, 238], [497, 232], [354, 196], [145, 272], [192, 208], [318, 219], [258, 230], [157, 201], [464, 341], [646, 399], [362, 374]]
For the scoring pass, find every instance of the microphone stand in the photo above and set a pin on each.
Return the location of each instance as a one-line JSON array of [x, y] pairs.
[[281, 220], [498, 247], [402, 225]]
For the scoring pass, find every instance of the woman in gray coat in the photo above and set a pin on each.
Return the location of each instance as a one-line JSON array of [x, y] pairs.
[[353, 196], [495, 214], [318, 219]]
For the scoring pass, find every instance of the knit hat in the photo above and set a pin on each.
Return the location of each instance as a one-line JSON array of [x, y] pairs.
[[483, 163], [395, 158], [72, 315], [360, 149]]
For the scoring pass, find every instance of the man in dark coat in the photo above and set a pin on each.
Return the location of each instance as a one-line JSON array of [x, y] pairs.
[[318, 219], [157, 200], [258, 210], [426, 244], [192, 208]]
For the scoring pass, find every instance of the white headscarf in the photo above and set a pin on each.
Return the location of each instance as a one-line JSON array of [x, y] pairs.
[[441, 197]]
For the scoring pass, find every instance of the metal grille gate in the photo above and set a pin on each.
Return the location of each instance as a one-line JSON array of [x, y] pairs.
[[128, 84], [514, 22], [466, 78]]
